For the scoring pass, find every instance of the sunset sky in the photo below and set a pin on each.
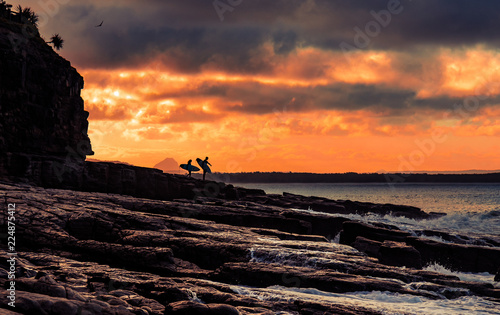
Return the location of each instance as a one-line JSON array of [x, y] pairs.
[[261, 85]]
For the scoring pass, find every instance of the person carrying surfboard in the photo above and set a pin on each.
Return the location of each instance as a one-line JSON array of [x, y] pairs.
[[204, 164], [205, 168], [189, 167]]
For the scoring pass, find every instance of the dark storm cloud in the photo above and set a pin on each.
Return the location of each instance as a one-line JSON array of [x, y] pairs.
[[188, 37], [416, 23], [360, 96], [252, 99], [189, 33], [128, 39], [458, 107], [263, 99]]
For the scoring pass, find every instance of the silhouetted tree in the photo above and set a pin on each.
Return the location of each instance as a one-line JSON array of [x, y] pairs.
[[56, 41], [4, 8], [28, 14]]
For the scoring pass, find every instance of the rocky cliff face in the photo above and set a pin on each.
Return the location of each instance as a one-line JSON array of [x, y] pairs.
[[43, 125]]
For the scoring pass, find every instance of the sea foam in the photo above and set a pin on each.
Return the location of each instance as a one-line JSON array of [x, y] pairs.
[[384, 302]]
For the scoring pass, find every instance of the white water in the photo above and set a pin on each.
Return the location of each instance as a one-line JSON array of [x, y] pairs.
[[384, 302], [472, 210], [318, 256], [469, 224], [484, 277]]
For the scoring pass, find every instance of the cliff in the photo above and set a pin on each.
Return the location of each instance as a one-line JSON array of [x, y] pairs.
[[43, 125]]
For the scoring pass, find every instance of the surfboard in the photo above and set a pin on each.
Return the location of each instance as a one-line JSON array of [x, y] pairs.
[[191, 168], [204, 166]]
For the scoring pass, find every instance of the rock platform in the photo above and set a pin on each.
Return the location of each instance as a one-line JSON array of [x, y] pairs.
[[103, 253]]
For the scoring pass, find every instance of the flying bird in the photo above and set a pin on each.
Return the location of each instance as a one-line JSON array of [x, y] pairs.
[[99, 24]]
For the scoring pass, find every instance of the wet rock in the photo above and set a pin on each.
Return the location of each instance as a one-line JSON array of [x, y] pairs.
[[247, 192], [288, 200], [446, 236], [399, 254], [231, 193], [367, 246], [120, 254], [45, 285], [9, 312], [353, 229], [419, 251], [460, 257], [194, 308], [290, 236], [153, 257], [305, 307], [34, 303], [263, 275]]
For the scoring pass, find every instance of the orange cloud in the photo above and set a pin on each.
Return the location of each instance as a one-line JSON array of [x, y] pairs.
[[302, 115]]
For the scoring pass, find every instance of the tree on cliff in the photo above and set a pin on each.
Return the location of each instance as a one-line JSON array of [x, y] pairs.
[[3, 7], [57, 41], [28, 14]]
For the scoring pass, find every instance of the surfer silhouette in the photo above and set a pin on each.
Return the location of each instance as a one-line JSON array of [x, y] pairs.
[[189, 168], [205, 167]]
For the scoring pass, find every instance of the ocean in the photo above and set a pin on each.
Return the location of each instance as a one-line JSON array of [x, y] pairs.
[[472, 209]]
